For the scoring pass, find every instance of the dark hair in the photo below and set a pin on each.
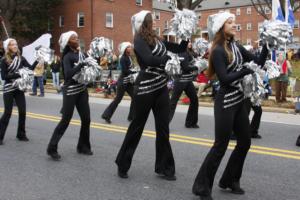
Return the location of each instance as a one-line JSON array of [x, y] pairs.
[[66, 50], [146, 31], [220, 39]]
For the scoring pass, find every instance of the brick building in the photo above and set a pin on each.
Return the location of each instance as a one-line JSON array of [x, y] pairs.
[[112, 19], [248, 19], [91, 18]]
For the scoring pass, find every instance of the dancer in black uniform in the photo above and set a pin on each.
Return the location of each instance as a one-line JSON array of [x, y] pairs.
[[230, 112], [74, 94], [150, 93], [123, 85], [185, 83], [298, 141], [255, 121], [10, 64]]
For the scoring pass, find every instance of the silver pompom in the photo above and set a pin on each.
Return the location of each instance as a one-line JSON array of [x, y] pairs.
[[253, 86], [25, 81], [272, 68], [184, 23], [89, 73], [201, 64], [200, 46], [99, 47], [276, 33], [44, 53], [173, 67]]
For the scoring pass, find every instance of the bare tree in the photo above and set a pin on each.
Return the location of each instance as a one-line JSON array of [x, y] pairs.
[[8, 10], [189, 4], [260, 5]]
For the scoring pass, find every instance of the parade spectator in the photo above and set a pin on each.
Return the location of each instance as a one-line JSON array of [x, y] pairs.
[[283, 79], [55, 69], [201, 83], [38, 79]]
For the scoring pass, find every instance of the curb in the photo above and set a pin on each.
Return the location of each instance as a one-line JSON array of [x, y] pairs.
[[203, 104]]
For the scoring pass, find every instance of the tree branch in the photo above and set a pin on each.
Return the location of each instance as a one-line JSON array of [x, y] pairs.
[[195, 4]]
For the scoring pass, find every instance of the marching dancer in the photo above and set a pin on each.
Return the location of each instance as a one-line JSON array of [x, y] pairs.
[[124, 84], [10, 64], [298, 141], [255, 121], [150, 93], [185, 83], [230, 113], [74, 94]]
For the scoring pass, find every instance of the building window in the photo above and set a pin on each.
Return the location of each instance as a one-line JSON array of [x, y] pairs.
[[109, 20], [157, 31], [199, 16], [296, 24], [260, 24], [249, 26], [249, 10], [80, 19], [258, 11], [238, 11], [82, 44], [166, 25], [248, 41], [139, 2], [296, 39], [61, 21], [111, 43], [156, 15], [267, 10], [238, 27]]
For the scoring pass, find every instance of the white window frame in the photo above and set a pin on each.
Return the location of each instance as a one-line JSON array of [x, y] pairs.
[[249, 41], [156, 13], [238, 27], [296, 24], [249, 26], [249, 10], [157, 30], [259, 25], [109, 14], [296, 39], [139, 4], [166, 25], [61, 21], [238, 11], [79, 15], [267, 10]]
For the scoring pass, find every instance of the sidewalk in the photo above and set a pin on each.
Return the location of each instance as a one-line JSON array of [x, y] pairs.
[[206, 102]]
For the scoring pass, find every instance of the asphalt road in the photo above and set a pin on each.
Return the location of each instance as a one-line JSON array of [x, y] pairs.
[[272, 168]]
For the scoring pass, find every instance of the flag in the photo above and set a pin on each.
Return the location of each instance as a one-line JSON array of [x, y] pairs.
[[289, 16], [28, 51], [277, 11]]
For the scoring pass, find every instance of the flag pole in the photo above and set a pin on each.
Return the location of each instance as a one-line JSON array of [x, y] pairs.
[[4, 27]]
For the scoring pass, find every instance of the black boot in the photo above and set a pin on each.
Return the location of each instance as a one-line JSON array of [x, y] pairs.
[[85, 151], [122, 174], [235, 187], [52, 152], [298, 141], [22, 137], [166, 176], [106, 119]]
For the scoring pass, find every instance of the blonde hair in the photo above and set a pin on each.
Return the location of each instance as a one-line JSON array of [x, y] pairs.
[[9, 53]]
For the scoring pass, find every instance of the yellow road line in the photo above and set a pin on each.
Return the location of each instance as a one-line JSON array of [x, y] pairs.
[[174, 137]]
